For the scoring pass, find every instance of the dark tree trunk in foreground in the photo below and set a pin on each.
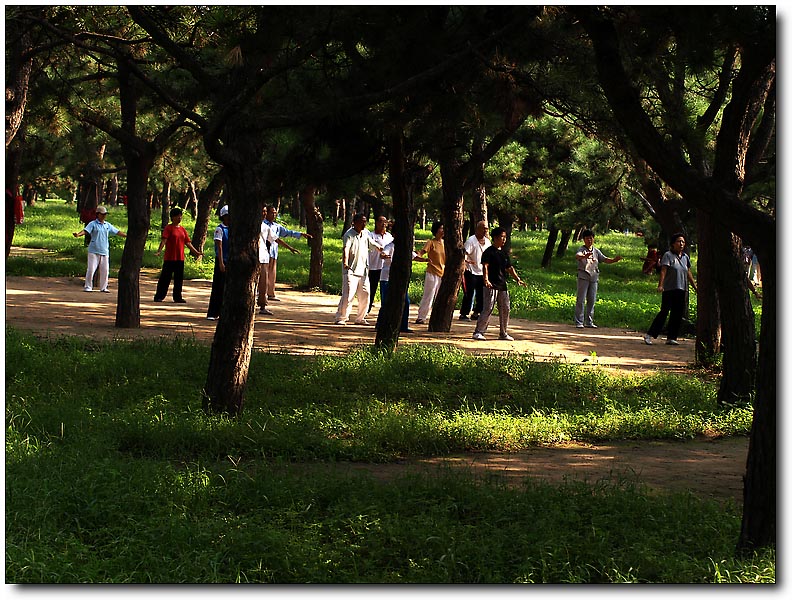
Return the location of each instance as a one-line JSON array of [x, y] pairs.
[[453, 218], [232, 346], [552, 237], [314, 225], [207, 201], [708, 322], [403, 182], [566, 235]]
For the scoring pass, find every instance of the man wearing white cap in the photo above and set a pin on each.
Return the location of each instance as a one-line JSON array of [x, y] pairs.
[[99, 249]]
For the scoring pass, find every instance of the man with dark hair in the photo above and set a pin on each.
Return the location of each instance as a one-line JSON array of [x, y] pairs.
[[354, 274], [174, 239], [497, 267]]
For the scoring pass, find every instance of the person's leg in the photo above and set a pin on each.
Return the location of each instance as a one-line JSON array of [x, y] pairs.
[[405, 324], [374, 277], [163, 282], [273, 274], [657, 325], [216, 297], [104, 272], [486, 312], [582, 290], [467, 294], [591, 299], [478, 287], [383, 287], [263, 284], [178, 280], [93, 263], [431, 285], [677, 309], [504, 309], [344, 304], [363, 297]]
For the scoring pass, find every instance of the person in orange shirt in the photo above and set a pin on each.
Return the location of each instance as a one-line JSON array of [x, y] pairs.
[[174, 238], [434, 250]]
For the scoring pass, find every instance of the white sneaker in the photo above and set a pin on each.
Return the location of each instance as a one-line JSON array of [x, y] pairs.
[[340, 322], [672, 342], [648, 339], [479, 336], [363, 322], [592, 326], [579, 326], [506, 338]]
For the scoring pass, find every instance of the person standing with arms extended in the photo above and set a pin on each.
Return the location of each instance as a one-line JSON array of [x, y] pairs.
[[221, 260], [434, 250], [100, 232], [674, 277], [174, 239], [280, 232], [497, 268], [473, 282], [588, 259]]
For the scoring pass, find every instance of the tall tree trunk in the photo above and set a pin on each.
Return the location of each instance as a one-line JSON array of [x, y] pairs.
[[708, 322], [139, 166], [349, 213], [191, 205], [480, 208], [566, 235], [232, 346], [314, 225], [403, 182], [112, 191], [739, 331], [19, 66], [453, 218], [207, 201], [12, 167], [165, 204], [552, 237]]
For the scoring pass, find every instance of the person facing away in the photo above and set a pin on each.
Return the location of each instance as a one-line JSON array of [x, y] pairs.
[[497, 267], [281, 232], [434, 250], [382, 236], [354, 271], [99, 249], [473, 279], [588, 259], [268, 237], [221, 245], [675, 275], [174, 239]]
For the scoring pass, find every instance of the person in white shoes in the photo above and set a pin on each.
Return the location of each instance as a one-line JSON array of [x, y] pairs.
[[588, 259], [354, 273], [100, 232], [268, 237], [674, 277], [473, 282], [497, 268]]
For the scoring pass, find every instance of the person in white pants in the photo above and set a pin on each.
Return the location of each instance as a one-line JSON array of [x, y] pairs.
[[434, 250], [354, 273], [99, 249]]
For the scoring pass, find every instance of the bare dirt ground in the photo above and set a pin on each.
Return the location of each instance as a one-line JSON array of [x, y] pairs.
[[303, 324]]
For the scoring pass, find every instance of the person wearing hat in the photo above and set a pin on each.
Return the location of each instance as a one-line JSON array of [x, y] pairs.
[[174, 238], [221, 260], [99, 249]]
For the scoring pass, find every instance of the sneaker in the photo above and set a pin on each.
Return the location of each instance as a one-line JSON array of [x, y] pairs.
[[579, 325], [464, 318], [506, 338], [87, 289], [105, 291], [408, 330], [179, 301], [672, 342], [340, 322], [420, 322], [474, 317], [592, 326], [273, 298], [648, 339], [362, 322], [212, 318], [157, 299], [265, 311], [479, 336]]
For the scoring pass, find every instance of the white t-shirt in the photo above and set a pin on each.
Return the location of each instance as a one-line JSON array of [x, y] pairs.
[[268, 234], [473, 251], [375, 260]]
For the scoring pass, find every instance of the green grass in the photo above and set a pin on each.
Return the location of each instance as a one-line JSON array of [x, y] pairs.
[[114, 474], [626, 298]]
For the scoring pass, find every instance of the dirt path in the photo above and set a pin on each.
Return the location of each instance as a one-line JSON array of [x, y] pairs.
[[303, 324]]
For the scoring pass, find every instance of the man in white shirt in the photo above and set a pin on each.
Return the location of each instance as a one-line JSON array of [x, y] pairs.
[[268, 238], [354, 274], [383, 238], [473, 282]]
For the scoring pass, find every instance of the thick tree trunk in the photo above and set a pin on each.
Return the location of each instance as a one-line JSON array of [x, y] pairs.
[[191, 205], [453, 218], [19, 65], [139, 220], [207, 201], [403, 182], [739, 331], [165, 204], [552, 237], [232, 346], [314, 225], [708, 322], [480, 208], [566, 235]]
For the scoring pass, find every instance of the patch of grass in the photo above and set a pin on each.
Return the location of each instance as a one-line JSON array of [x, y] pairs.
[[114, 474]]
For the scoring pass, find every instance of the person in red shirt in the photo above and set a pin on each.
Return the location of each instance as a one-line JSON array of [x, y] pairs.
[[174, 238]]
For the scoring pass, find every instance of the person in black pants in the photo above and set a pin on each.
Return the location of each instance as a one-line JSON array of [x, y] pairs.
[[674, 277], [221, 244]]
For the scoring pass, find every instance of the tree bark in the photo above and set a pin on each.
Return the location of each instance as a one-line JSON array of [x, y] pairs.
[[552, 237], [453, 218], [566, 235], [165, 204], [232, 346], [314, 225], [708, 323], [207, 202]]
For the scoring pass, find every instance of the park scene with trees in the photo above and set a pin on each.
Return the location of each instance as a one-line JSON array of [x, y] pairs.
[[190, 458]]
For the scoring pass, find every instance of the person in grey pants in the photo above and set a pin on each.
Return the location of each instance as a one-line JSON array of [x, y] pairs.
[[588, 260]]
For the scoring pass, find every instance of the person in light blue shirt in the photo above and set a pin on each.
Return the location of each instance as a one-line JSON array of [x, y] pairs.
[[280, 232], [100, 232]]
